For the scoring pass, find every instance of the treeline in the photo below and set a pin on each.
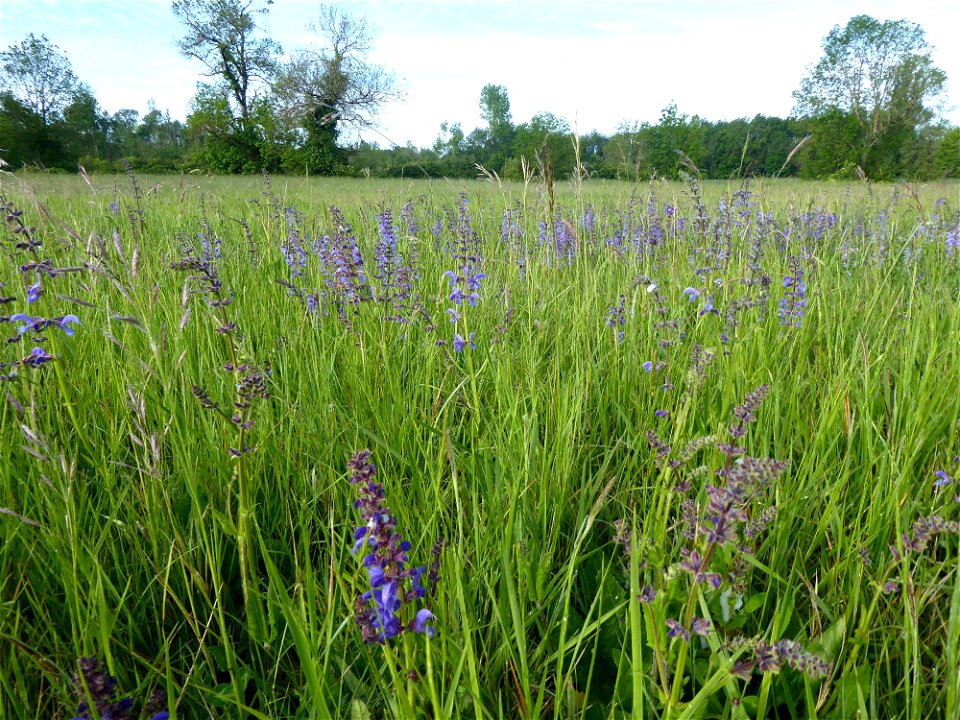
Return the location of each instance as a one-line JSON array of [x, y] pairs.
[[84, 135], [865, 110], [761, 146]]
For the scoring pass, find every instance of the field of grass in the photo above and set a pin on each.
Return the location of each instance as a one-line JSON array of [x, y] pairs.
[[674, 450]]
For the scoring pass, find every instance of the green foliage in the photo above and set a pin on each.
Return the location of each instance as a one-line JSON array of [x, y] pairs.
[[948, 154], [833, 149], [222, 35], [881, 76], [39, 75], [495, 110], [545, 136]]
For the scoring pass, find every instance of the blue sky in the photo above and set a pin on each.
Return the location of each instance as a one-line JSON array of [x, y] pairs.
[[596, 64]]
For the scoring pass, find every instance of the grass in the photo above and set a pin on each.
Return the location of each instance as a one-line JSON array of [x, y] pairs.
[[130, 532]]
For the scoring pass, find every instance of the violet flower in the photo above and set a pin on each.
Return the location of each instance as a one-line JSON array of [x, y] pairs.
[[378, 611]]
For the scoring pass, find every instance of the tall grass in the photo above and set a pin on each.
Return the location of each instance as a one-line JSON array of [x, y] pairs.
[[175, 491]]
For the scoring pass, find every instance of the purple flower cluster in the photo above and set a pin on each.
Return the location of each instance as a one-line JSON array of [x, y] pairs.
[[386, 254], [392, 584], [793, 304], [953, 241], [34, 269], [944, 479], [922, 531], [771, 657], [96, 689], [616, 318], [292, 248], [408, 217], [34, 325], [726, 507]]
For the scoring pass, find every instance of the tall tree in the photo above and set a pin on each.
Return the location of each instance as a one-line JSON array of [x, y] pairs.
[[495, 109], [39, 75], [882, 75], [334, 88], [221, 34]]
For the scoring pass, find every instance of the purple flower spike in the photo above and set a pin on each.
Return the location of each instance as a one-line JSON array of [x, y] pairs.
[[34, 292], [392, 584]]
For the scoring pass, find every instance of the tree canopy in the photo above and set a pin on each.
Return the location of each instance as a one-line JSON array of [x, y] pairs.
[[39, 75], [332, 88], [881, 76], [221, 34]]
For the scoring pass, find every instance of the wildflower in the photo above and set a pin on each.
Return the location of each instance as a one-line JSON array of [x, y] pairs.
[[623, 536], [37, 357], [34, 292], [677, 630], [457, 296], [386, 563], [648, 366], [459, 343], [616, 319], [953, 240], [794, 301], [691, 293], [708, 307], [38, 324], [65, 322], [745, 412], [93, 682], [473, 281], [700, 626], [943, 479], [661, 413]]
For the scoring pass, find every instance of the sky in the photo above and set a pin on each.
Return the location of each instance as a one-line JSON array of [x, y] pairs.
[[598, 65]]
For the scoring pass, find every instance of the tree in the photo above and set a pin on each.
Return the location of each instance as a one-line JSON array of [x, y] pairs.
[[334, 89], [87, 127], [495, 109], [220, 34], [545, 133], [881, 74], [39, 75], [676, 133]]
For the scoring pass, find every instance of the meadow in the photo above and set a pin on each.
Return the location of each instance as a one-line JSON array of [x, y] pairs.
[[343, 448]]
